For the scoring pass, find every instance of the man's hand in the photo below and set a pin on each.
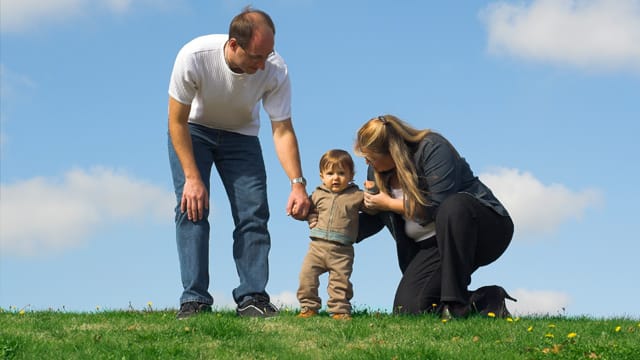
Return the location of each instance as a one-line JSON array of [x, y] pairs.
[[195, 199], [299, 203]]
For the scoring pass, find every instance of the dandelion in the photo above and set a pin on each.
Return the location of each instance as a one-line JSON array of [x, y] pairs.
[[571, 335], [22, 312], [491, 315], [618, 328], [434, 305], [530, 329], [444, 321], [549, 335], [509, 319], [552, 326], [149, 304]]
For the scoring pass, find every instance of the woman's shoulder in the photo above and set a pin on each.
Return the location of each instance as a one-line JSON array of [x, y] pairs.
[[434, 137], [432, 142]]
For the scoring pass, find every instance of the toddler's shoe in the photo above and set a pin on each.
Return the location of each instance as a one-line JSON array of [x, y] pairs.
[[306, 313], [343, 316]]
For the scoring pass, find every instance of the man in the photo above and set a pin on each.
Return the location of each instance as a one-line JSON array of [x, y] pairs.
[[214, 93]]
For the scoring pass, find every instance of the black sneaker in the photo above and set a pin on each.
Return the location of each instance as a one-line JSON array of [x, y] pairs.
[[191, 308], [258, 307]]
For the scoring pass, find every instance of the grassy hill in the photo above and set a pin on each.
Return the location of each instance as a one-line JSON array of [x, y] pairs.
[[152, 334]]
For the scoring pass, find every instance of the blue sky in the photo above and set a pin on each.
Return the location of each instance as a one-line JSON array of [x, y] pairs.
[[541, 97]]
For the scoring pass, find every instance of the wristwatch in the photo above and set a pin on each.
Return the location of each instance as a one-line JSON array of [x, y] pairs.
[[299, 180]]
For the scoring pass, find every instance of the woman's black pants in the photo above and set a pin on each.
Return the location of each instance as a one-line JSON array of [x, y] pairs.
[[468, 235]]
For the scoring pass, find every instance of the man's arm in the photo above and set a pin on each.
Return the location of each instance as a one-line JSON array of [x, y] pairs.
[[194, 194], [286, 145]]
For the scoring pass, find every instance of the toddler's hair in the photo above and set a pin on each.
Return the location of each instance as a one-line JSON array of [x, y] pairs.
[[337, 159]]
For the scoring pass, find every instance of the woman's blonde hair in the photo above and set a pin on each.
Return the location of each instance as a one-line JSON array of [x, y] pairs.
[[388, 135]]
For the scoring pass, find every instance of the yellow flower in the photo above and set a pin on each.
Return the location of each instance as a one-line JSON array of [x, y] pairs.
[[509, 319], [149, 304], [530, 329], [435, 305], [572, 335], [618, 328], [491, 315], [22, 312], [444, 321], [552, 325], [549, 335]]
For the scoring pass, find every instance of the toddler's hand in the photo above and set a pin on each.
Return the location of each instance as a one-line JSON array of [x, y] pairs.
[[312, 219]]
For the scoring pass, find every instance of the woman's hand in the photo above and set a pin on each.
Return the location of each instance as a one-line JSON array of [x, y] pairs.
[[376, 202], [383, 202]]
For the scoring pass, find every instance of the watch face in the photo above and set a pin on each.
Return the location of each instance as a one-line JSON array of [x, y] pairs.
[[300, 180]]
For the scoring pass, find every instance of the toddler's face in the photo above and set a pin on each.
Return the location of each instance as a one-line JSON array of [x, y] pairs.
[[336, 179]]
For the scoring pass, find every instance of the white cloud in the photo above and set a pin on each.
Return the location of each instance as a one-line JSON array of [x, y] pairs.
[[285, 299], [538, 302], [591, 34], [41, 215], [118, 5], [23, 15], [537, 208], [19, 15], [12, 80]]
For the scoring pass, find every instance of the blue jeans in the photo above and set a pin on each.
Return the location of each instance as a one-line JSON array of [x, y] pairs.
[[238, 159]]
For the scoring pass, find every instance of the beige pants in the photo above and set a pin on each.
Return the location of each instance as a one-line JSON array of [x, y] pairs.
[[327, 256]]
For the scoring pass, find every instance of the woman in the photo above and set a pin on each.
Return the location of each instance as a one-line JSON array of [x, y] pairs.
[[445, 221]]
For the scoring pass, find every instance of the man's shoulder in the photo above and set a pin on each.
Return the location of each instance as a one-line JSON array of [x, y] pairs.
[[206, 42], [276, 61]]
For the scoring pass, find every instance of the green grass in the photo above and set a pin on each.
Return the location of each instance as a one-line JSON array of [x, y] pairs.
[[151, 334]]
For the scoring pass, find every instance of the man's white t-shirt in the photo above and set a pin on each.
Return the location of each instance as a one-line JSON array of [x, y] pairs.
[[222, 99]]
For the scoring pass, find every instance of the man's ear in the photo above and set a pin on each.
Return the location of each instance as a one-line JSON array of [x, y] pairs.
[[233, 44]]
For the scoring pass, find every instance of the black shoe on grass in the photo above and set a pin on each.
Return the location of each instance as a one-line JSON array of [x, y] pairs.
[[192, 308], [258, 307]]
